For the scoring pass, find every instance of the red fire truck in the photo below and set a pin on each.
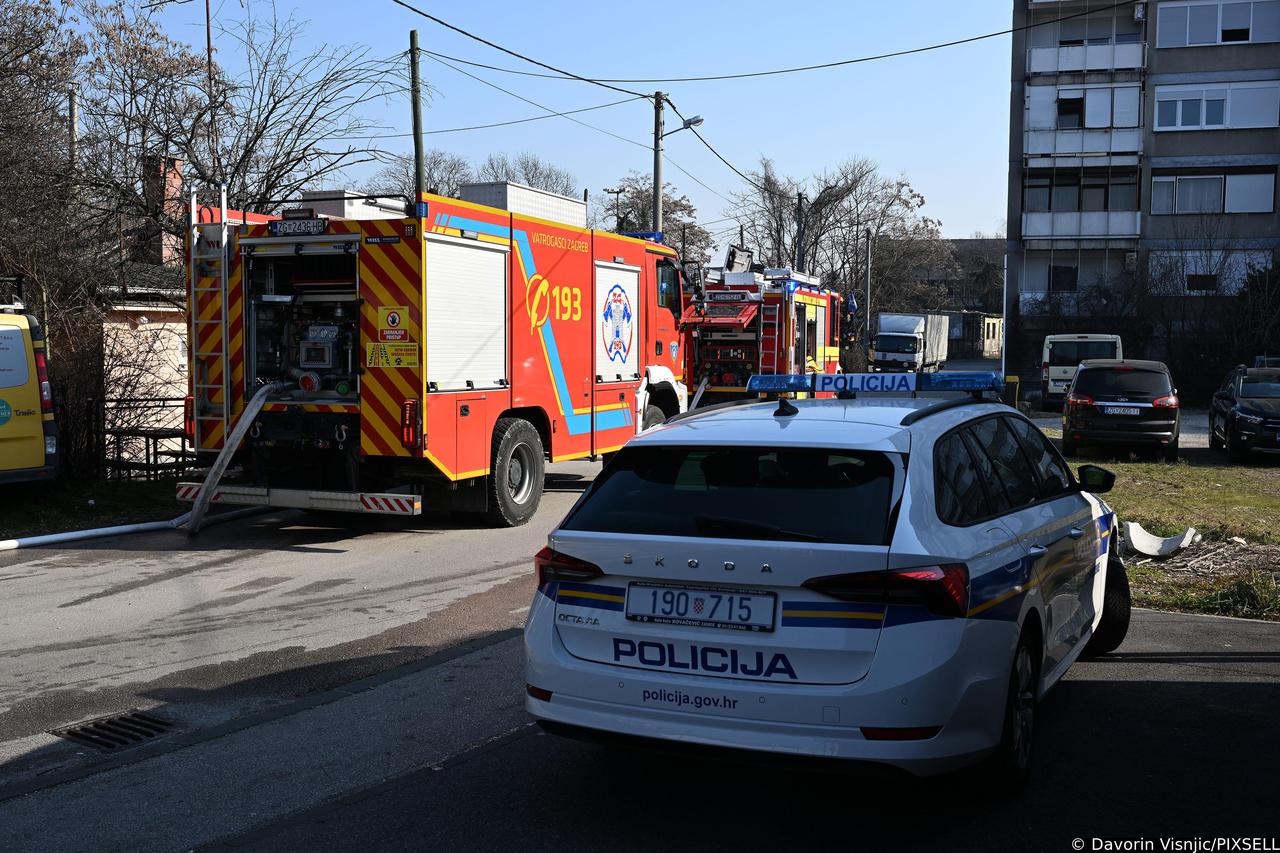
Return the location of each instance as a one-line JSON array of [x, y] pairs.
[[439, 360], [754, 320]]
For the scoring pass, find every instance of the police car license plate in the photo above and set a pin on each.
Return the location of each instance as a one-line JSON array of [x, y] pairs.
[[1121, 410], [711, 607]]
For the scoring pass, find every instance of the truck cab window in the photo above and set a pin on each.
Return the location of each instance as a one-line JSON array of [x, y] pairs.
[[669, 287]]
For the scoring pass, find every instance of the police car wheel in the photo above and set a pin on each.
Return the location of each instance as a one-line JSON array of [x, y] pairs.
[[515, 481], [1116, 609], [1010, 765], [652, 417]]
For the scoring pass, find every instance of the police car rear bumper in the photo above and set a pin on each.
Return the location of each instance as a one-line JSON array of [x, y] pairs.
[[967, 702]]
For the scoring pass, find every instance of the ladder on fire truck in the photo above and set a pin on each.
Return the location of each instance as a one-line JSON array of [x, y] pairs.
[[771, 320], [211, 367]]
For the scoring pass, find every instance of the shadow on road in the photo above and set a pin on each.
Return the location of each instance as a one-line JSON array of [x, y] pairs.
[[1114, 759]]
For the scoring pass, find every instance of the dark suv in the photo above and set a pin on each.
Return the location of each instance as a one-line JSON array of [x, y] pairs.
[[1122, 402], [1245, 413]]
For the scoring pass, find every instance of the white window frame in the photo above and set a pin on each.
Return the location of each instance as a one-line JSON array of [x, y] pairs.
[[1217, 42], [1174, 179], [1202, 92]]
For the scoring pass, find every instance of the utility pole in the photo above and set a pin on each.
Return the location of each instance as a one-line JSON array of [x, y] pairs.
[[73, 128], [208, 59], [419, 167], [868, 309], [799, 232], [657, 160]]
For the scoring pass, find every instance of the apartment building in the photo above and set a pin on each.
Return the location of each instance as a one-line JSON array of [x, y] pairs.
[[1143, 148]]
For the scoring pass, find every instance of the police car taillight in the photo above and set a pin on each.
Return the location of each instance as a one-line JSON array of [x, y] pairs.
[[941, 589], [554, 566]]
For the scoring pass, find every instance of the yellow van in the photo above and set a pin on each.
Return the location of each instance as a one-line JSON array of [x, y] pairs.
[[28, 434]]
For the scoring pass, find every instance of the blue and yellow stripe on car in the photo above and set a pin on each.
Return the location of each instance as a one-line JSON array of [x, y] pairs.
[[830, 614], [591, 595]]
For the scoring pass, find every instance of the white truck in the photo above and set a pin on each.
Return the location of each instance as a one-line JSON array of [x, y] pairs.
[[909, 342]]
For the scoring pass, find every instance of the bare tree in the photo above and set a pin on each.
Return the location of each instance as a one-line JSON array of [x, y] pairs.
[[529, 169], [445, 173], [632, 210], [829, 227]]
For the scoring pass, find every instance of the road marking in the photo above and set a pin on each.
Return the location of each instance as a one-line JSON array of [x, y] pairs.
[[519, 610]]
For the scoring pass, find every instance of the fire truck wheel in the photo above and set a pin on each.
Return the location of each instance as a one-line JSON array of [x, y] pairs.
[[652, 417], [515, 486]]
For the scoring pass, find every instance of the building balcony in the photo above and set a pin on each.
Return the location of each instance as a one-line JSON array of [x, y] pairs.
[[1083, 225], [1081, 58], [1079, 142]]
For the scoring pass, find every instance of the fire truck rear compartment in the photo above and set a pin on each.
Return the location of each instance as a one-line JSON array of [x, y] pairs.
[[304, 327]]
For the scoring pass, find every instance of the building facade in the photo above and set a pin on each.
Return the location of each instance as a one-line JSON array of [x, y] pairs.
[[1144, 142]]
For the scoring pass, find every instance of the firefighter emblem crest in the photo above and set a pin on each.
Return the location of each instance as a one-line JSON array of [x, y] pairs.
[[616, 324]]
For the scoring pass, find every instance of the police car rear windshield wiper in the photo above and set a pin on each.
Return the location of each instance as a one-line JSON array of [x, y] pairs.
[[713, 524]]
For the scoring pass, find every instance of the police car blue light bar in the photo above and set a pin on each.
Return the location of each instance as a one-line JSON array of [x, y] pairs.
[[876, 383]]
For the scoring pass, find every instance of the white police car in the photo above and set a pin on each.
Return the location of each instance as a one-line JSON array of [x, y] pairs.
[[888, 578]]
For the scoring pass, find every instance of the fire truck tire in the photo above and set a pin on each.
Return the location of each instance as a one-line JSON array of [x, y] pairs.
[[515, 485], [652, 417]]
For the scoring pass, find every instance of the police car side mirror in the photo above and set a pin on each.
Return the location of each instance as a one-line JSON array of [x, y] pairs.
[[1093, 478]]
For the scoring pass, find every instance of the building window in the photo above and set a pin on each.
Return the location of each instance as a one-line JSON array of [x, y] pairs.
[[1063, 279], [1202, 281], [1199, 195], [1035, 193], [1194, 24], [1243, 193], [1122, 191], [1250, 194], [1073, 191], [1070, 110], [1231, 105], [1066, 193]]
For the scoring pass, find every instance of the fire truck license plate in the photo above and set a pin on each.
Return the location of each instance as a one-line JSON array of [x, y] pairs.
[[701, 606]]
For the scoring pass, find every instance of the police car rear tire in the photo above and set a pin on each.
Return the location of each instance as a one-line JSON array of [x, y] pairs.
[[1116, 610], [1009, 766], [515, 482]]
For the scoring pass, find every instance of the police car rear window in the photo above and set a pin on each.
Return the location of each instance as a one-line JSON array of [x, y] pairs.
[[13, 358], [762, 493]]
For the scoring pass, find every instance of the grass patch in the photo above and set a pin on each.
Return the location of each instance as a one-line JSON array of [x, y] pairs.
[[1217, 500], [38, 508], [1251, 593]]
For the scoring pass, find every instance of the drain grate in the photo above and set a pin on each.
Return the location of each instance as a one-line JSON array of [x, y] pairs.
[[116, 731]]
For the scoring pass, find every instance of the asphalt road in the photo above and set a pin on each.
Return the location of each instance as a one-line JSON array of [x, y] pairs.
[[248, 615], [1172, 736]]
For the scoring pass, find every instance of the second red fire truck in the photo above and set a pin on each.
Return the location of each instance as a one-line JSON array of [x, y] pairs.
[[755, 320]]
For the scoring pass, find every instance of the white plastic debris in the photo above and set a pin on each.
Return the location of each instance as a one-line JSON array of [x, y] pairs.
[[1238, 540], [1140, 541]]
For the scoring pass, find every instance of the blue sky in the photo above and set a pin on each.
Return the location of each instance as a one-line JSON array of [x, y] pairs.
[[941, 117]]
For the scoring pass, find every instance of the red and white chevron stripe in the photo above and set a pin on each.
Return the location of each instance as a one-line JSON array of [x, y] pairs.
[[387, 504]]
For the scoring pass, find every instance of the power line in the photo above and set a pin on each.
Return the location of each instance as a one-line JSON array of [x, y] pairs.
[[538, 105], [485, 41], [712, 149], [568, 115], [601, 81]]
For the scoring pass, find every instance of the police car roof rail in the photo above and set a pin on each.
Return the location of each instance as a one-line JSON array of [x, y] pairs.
[[714, 407], [942, 406]]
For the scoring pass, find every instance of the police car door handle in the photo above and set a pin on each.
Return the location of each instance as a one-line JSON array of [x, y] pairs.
[[1037, 551], [1075, 533]]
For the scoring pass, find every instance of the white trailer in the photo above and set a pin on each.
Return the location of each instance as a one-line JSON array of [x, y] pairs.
[[909, 342]]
